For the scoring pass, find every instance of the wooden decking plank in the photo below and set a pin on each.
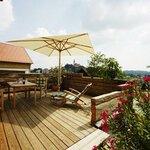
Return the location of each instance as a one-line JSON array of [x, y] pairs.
[[65, 131], [44, 122], [94, 139], [83, 126], [70, 122], [3, 142], [77, 112], [10, 135], [24, 143], [29, 133], [79, 119], [61, 121], [58, 114], [35, 128], [57, 132]]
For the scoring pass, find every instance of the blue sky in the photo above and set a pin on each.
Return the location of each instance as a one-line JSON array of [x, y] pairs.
[[117, 28]]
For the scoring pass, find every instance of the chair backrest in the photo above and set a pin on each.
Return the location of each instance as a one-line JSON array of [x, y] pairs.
[[41, 82], [85, 89]]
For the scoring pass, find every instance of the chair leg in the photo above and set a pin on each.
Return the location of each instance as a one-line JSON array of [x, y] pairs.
[[40, 93], [2, 102], [82, 101]]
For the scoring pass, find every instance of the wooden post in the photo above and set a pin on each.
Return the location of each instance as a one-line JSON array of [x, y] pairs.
[[59, 70], [93, 111]]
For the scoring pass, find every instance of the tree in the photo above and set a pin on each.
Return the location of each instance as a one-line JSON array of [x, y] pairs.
[[95, 65], [107, 68], [111, 69]]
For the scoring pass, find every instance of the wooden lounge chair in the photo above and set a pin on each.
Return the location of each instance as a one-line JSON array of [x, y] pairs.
[[74, 96], [42, 86]]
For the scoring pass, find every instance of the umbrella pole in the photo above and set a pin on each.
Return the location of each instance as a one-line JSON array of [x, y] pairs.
[[59, 70]]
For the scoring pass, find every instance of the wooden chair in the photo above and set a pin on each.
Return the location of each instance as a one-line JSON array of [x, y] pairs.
[[42, 86], [74, 96]]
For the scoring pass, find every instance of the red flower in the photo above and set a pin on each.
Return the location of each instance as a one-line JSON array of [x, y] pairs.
[[104, 118], [104, 115], [123, 101], [146, 78], [94, 147], [119, 108], [111, 142], [104, 126]]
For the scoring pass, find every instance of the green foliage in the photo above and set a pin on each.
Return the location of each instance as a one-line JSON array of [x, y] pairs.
[[95, 65], [111, 69], [107, 68], [54, 74], [129, 123]]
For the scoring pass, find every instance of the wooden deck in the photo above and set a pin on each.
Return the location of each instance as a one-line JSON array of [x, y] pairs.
[[43, 126]]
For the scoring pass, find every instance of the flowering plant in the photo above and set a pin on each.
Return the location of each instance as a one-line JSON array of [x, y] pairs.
[[129, 123]]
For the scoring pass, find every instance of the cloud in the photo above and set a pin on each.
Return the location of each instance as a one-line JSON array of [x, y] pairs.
[[120, 29], [116, 14], [6, 17], [41, 31]]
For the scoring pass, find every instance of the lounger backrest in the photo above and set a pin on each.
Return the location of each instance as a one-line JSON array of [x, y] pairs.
[[85, 89]]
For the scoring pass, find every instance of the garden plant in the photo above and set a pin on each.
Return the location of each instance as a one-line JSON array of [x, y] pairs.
[[129, 123]]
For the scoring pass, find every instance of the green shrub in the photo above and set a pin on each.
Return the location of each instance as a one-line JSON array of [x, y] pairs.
[[129, 123]]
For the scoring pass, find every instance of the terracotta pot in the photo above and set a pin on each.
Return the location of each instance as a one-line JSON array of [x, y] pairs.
[[55, 87]]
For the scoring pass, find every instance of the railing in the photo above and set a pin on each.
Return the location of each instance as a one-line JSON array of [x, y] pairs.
[[95, 101]]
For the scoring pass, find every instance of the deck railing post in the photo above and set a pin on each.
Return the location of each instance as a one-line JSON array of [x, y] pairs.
[[93, 111]]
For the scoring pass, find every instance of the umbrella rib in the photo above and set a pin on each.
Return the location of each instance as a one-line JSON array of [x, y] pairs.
[[80, 45], [54, 40], [76, 36], [50, 44], [39, 47], [66, 38]]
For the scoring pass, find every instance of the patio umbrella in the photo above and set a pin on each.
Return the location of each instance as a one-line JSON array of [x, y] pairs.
[[76, 44]]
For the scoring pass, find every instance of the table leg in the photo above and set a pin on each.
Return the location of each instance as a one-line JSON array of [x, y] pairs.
[[35, 95], [28, 93], [25, 93], [8, 93], [2, 101], [14, 97]]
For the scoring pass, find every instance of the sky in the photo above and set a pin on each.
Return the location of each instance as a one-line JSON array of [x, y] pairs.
[[117, 28]]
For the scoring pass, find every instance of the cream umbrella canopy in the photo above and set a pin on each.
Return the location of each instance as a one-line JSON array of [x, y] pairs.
[[75, 44]]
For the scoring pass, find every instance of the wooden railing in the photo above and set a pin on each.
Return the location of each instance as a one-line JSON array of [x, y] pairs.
[[99, 86], [95, 101]]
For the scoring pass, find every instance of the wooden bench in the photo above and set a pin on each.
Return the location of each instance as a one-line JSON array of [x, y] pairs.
[[99, 100]]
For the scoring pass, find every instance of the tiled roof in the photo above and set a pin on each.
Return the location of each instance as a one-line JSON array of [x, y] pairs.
[[10, 53]]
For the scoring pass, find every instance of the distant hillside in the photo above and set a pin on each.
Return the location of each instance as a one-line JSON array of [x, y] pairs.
[[137, 72]]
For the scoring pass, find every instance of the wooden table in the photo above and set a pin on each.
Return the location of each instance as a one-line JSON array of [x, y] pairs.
[[26, 86]]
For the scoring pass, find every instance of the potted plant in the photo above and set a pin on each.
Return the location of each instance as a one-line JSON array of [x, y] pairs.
[[54, 79]]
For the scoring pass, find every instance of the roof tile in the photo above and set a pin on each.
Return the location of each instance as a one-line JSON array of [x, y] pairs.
[[10, 53]]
